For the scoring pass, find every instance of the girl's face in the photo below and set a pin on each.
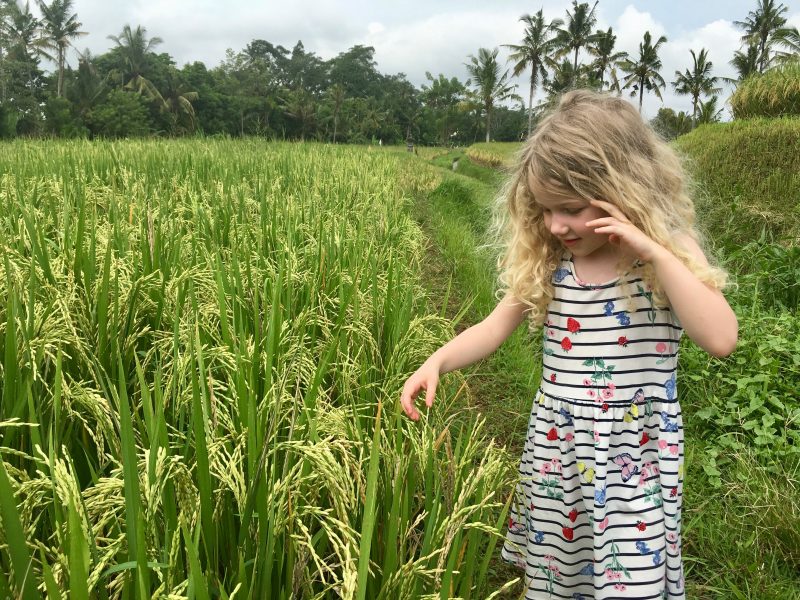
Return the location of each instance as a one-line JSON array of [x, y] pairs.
[[566, 217]]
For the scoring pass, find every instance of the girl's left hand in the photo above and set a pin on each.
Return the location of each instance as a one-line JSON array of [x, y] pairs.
[[621, 232]]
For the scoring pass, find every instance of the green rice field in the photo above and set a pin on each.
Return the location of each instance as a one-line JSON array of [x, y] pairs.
[[202, 346]]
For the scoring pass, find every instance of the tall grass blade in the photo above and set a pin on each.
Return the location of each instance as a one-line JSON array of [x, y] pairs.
[[17, 549]]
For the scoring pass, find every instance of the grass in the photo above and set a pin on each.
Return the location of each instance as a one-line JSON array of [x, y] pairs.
[[749, 177], [494, 154]]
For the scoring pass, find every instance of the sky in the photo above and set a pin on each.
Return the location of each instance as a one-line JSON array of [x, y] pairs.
[[416, 36]]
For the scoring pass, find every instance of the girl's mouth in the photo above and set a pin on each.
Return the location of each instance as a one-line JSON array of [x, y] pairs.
[[570, 242]]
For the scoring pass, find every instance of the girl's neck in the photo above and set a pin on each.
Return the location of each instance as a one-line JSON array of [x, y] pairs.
[[600, 265]]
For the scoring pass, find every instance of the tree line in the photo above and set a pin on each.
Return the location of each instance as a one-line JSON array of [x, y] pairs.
[[271, 91]]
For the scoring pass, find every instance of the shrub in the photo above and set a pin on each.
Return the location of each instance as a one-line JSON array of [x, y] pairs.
[[775, 93]]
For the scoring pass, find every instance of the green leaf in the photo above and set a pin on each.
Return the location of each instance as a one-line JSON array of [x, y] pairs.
[[15, 538]]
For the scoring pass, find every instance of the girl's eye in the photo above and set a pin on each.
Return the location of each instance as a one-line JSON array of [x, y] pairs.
[[572, 211]]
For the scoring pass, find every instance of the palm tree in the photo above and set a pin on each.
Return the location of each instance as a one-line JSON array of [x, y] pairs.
[[643, 74], [177, 101], [602, 48], [709, 111], [697, 81], [788, 37], [88, 87], [760, 27], [493, 87], [60, 27], [535, 47], [745, 63], [565, 78], [134, 47], [25, 46], [578, 31]]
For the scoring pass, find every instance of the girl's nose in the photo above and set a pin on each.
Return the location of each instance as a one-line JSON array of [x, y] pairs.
[[557, 226]]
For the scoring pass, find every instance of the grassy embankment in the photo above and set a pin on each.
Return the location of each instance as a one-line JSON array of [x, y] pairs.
[[741, 510]]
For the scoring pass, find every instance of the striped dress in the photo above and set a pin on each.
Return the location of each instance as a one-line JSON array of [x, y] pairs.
[[597, 511]]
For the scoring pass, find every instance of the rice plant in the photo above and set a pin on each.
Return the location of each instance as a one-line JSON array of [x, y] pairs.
[[202, 347]]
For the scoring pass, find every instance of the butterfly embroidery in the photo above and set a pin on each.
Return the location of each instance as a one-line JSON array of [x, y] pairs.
[[563, 412], [514, 526], [669, 387], [633, 412], [538, 537], [560, 274], [600, 496], [656, 557], [642, 547], [588, 474], [623, 319], [588, 569], [669, 426], [608, 308], [627, 466]]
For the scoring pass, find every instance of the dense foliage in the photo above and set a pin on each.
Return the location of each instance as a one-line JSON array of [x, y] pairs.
[[271, 91], [776, 93]]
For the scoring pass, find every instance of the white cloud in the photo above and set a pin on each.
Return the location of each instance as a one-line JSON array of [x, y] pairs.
[[375, 29], [442, 43]]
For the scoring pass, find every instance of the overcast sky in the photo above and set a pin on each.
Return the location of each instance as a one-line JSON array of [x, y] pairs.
[[416, 36]]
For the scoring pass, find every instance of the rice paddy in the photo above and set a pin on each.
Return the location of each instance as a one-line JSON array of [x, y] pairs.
[[203, 345]]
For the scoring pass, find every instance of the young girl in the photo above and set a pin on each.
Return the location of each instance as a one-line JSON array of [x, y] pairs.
[[601, 252]]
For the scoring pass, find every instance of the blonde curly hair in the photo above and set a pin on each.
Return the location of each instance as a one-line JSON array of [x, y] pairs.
[[592, 145]]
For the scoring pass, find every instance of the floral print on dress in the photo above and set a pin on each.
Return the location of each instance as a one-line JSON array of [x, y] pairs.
[[614, 569], [560, 274], [550, 478], [551, 572], [603, 422]]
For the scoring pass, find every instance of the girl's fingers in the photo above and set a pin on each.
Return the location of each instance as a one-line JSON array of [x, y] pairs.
[[610, 209], [602, 221], [429, 393]]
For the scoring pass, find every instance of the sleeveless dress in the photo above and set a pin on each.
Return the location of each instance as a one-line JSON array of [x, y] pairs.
[[597, 510]]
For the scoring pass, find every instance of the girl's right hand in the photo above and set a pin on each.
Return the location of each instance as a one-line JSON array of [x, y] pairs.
[[425, 378]]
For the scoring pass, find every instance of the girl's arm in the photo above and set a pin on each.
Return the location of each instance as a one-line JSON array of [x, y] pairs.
[[470, 346], [703, 312]]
